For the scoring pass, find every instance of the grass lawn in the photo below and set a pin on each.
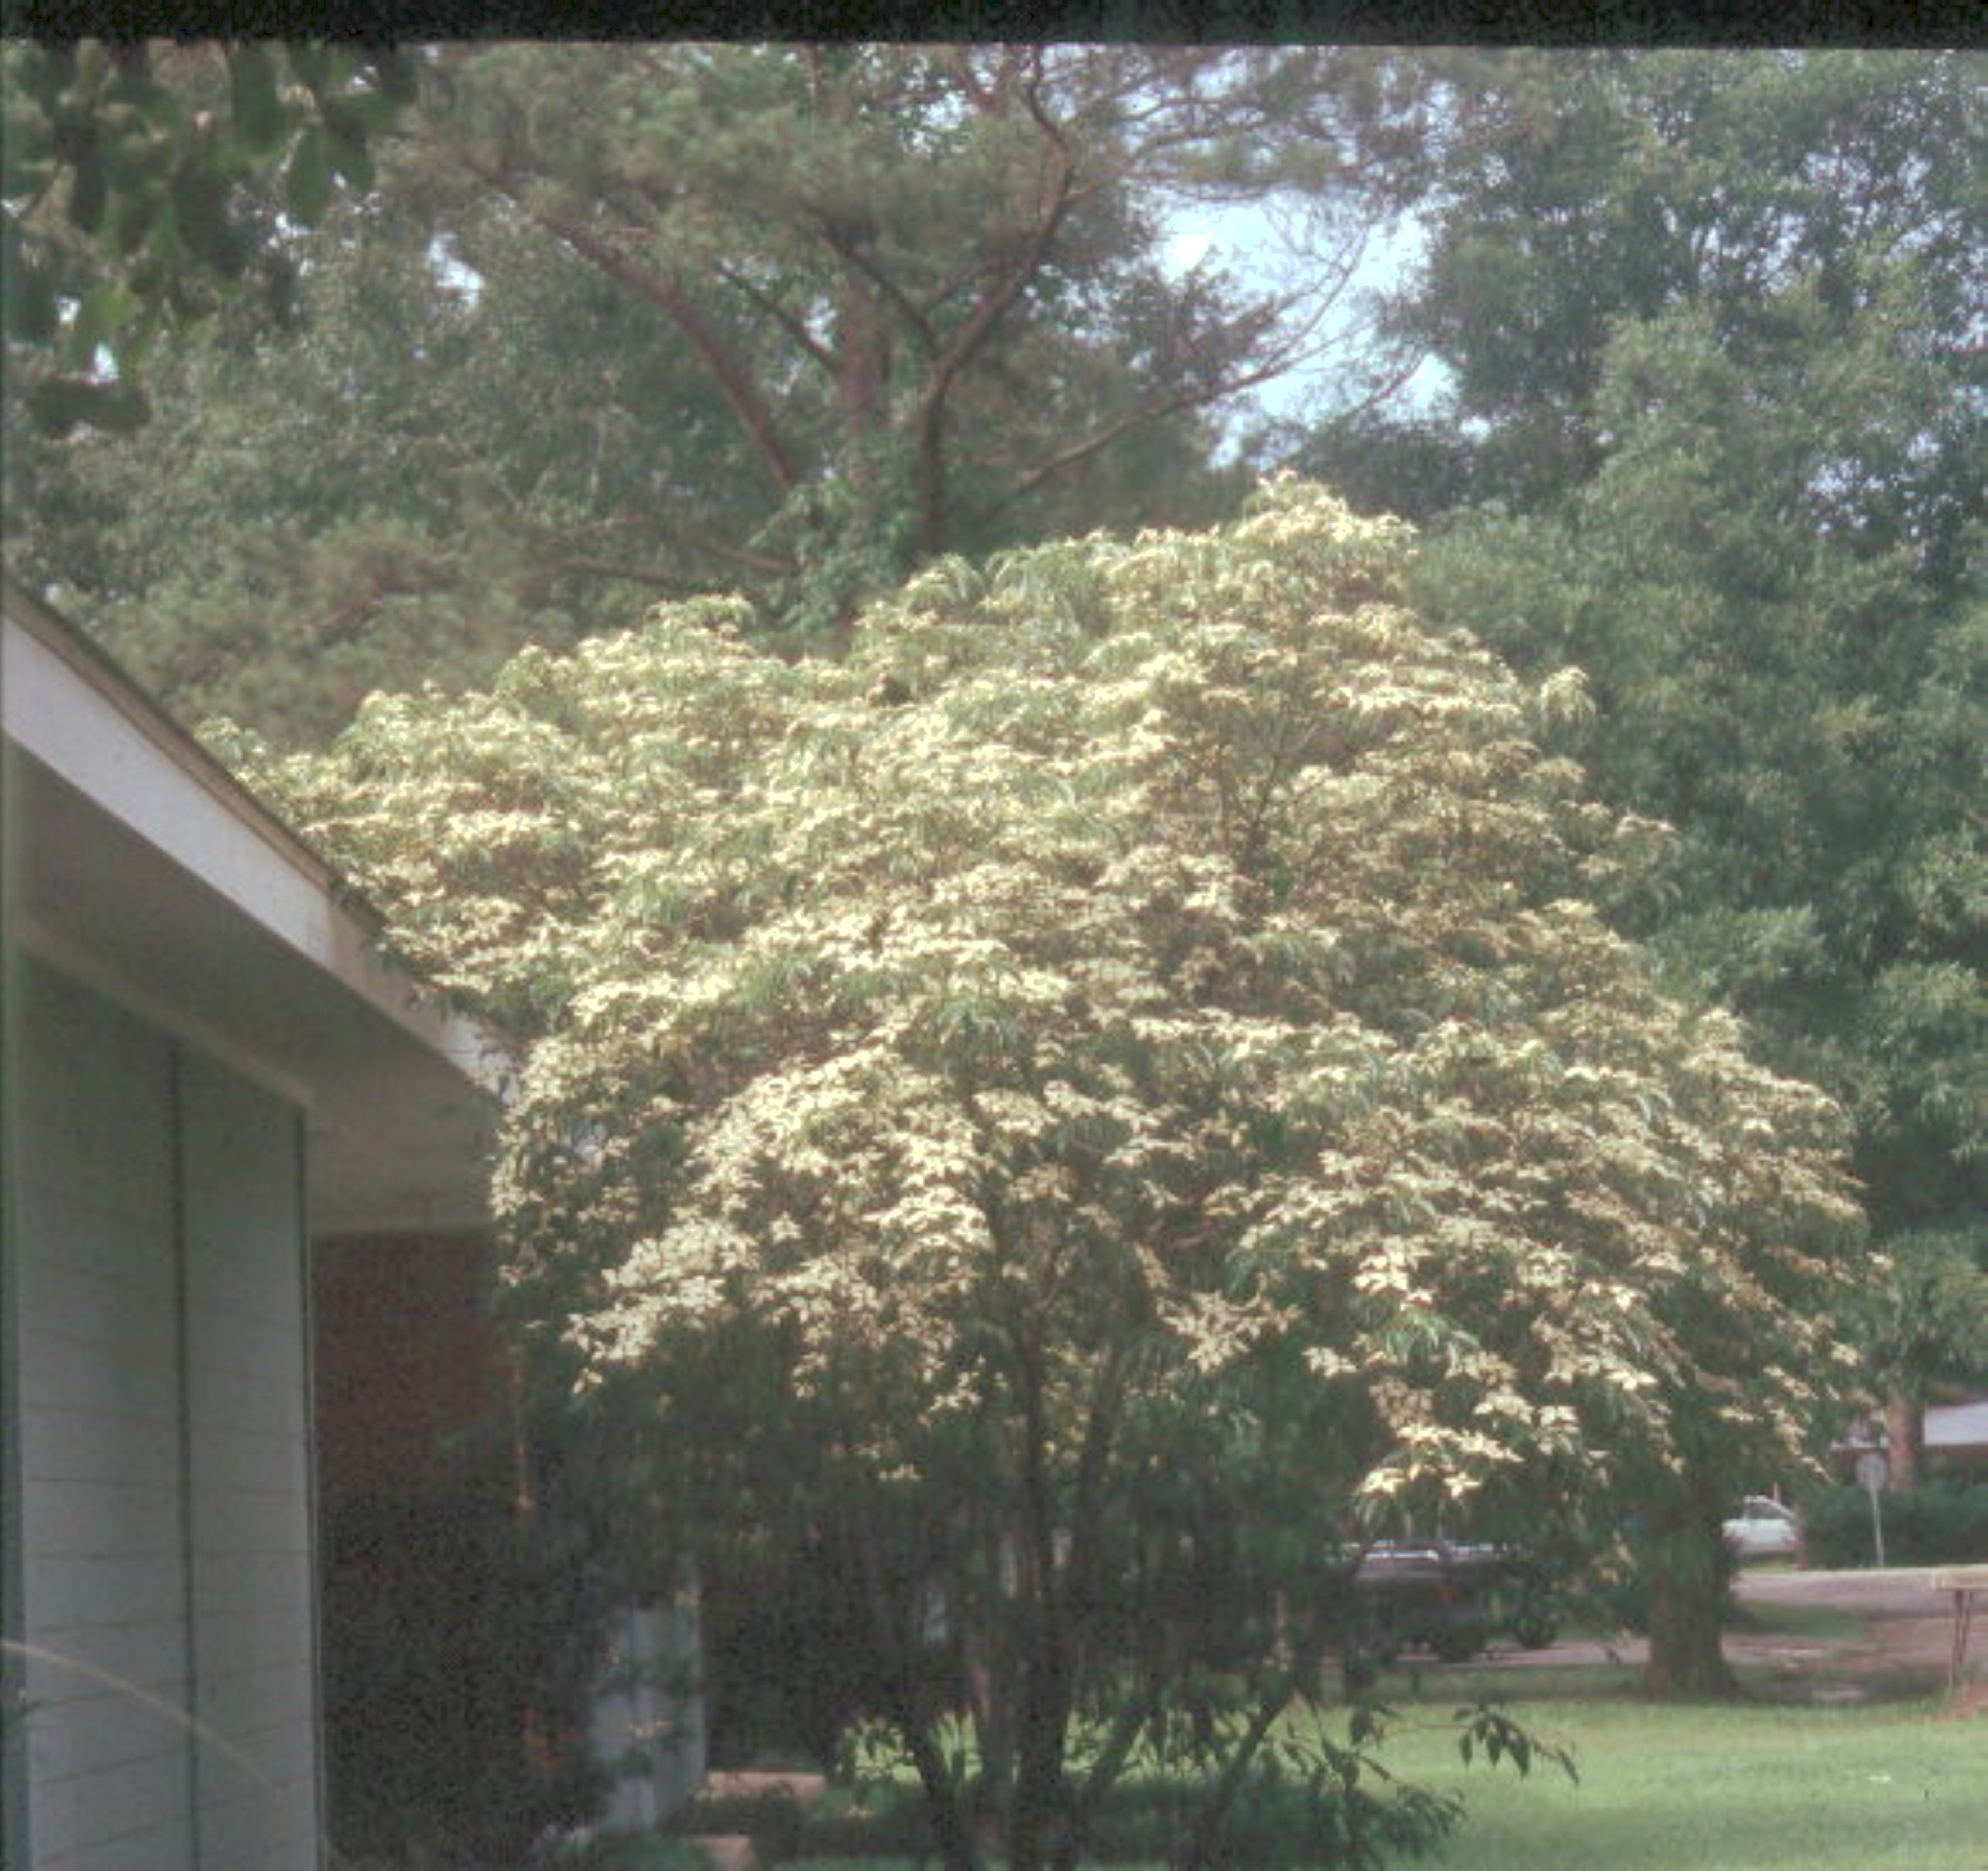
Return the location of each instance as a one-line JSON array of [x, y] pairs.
[[1754, 1787], [1748, 1788]]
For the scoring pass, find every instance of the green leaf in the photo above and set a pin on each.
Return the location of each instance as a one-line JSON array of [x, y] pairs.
[[200, 201], [350, 156], [312, 64], [398, 76], [48, 74], [260, 116], [307, 182], [342, 64], [131, 217], [363, 113], [61, 405], [135, 85], [107, 308], [26, 159], [87, 193], [163, 109], [30, 302]]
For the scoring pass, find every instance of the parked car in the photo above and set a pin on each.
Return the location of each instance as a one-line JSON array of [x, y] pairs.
[[1447, 1599], [1763, 1529]]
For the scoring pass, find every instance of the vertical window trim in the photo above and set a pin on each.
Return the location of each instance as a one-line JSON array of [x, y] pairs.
[[176, 1171], [14, 1843], [307, 1311]]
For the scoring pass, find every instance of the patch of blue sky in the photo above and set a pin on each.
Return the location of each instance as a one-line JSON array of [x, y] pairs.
[[1265, 250]]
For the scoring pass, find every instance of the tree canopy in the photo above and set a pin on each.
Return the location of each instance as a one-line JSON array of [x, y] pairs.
[[620, 320], [1577, 195], [1130, 1052], [1714, 436]]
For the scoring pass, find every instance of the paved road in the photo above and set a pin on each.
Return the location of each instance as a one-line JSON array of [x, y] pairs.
[[1900, 1591], [1908, 1631], [1908, 1625]]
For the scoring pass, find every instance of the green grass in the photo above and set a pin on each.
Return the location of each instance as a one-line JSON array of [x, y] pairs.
[[1750, 1787], [1744, 1789]]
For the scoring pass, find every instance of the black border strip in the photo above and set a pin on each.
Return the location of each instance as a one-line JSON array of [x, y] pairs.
[[1927, 23]]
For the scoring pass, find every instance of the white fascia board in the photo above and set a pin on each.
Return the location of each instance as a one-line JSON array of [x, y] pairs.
[[117, 750], [1957, 1426]]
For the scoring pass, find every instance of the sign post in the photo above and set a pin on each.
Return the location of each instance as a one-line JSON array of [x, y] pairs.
[[1874, 1470]]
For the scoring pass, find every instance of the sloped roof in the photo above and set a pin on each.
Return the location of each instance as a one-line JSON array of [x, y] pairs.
[[140, 865], [1957, 1426]]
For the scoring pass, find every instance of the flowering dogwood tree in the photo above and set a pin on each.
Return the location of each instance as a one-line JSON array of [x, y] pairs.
[[1107, 1090]]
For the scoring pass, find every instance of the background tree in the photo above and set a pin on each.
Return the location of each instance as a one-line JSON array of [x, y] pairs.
[[423, 474], [1924, 1327], [1570, 195], [683, 318], [1120, 1058], [1713, 436]]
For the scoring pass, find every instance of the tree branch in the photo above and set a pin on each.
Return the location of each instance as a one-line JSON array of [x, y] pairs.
[[927, 422], [914, 315], [666, 293], [633, 575], [1154, 408], [1207, 1824], [795, 328], [910, 1712]]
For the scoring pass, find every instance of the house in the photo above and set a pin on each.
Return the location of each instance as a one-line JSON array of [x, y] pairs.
[[1956, 1438], [223, 1111], [208, 1065], [1954, 1441]]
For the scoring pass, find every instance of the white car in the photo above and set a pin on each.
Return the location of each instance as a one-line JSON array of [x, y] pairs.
[[1763, 1529]]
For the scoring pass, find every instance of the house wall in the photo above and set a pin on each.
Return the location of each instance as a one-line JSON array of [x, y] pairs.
[[164, 1506], [414, 1393]]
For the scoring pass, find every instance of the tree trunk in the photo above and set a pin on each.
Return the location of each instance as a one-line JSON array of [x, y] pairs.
[[1038, 1806], [952, 1827], [1688, 1568], [1905, 1434], [1198, 1852]]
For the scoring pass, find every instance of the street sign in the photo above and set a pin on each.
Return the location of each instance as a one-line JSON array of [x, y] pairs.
[[1874, 1470]]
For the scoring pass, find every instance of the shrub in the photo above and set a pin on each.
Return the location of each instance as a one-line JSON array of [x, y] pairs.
[[1943, 1523]]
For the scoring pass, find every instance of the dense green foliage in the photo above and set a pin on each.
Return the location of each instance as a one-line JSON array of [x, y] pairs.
[[1102, 1090], [128, 202], [412, 483], [1578, 196], [1713, 435], [621, 321]]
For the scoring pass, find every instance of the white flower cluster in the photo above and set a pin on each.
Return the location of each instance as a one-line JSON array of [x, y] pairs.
[[1191, 975]]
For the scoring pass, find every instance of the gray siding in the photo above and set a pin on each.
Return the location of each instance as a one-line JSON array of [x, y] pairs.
[[103, 1531], [164, 1512], [254, 1667]]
